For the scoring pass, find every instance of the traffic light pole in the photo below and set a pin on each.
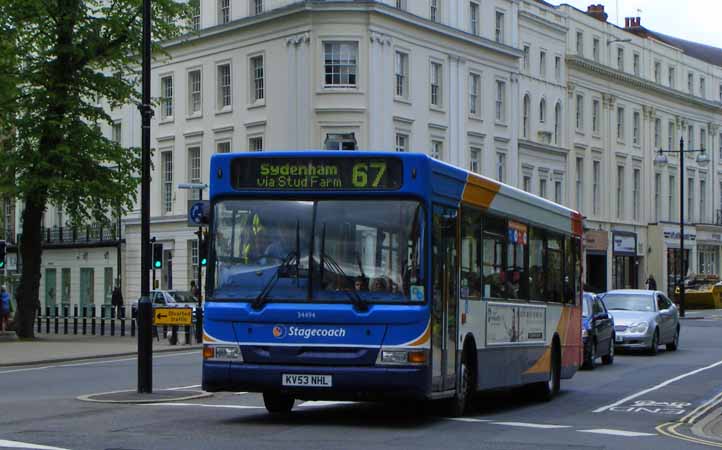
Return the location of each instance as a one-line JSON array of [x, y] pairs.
[[199, 309]]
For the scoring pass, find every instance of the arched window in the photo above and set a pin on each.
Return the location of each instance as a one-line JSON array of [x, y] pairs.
[[557, 123], [527, 107], [542, 110]]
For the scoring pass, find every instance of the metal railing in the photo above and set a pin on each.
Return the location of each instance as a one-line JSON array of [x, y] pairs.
[[96, 232]]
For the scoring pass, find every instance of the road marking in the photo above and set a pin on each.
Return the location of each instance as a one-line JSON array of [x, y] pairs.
[[183, 387], [670, 430], [659, 386], [205, 405], [320, 403], [616, 432], [702, 409], [468, 419], [240, 393], [96, 362], [17, 444], [530, 425]]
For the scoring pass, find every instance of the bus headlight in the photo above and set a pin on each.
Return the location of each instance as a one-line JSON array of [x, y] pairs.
[[402, 357], [222, 353]]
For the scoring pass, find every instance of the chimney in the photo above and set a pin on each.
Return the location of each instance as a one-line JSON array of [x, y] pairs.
[[626, 22], [632, 22], [597, 11]]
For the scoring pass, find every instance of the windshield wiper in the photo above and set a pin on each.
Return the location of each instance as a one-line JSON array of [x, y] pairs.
[[358, 302], [263, 295]]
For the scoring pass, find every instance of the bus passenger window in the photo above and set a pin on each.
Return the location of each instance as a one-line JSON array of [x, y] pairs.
[[537, 287], [493, 257], [516, 281], [470, 253], [554, 266], [569, 270]]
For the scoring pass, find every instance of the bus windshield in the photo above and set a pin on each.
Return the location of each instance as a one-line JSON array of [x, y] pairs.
[[346, 249]]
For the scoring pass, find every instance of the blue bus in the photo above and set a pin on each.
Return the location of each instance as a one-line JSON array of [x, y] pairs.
[[374, 275]]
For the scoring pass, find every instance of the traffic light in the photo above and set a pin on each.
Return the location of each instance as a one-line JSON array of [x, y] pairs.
[[203, 249], [2, 254], [157, 255]]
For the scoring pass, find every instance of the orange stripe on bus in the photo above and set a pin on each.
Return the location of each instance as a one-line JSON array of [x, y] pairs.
[[424, 338], [542, 365], [480, 191]]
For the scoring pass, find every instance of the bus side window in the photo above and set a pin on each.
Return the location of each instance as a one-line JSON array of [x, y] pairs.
[[493, 255], [569, 269], [537, 287], [470, 253], [554, 267]]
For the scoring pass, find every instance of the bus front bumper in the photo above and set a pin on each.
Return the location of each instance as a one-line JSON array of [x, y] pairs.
[[347, 383]]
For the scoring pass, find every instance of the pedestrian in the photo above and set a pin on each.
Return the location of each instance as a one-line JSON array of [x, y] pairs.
[[116, 299], [4, 309], [651, 283], [195, 291]]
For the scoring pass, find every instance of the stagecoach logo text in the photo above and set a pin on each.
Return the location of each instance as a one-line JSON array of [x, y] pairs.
[[279, 332], [298, 176]]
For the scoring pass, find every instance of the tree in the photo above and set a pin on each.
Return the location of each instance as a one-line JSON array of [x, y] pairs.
[[63, 56]]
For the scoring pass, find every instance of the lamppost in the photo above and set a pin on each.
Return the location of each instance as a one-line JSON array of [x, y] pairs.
[[702, 160], [199, 310]]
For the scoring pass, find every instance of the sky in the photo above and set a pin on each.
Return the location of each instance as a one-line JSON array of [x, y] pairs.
[[693, 20]]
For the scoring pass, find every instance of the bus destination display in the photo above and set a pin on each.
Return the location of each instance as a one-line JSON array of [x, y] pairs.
[[317, 173]]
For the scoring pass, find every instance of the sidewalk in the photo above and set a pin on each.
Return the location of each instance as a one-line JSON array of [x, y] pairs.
[[57, 348], [702, 314]]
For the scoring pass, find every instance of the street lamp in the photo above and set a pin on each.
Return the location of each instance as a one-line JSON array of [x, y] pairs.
[[702, 160], [199, 310]]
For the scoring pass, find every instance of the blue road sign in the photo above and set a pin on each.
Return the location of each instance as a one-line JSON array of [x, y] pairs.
[[196, 210]]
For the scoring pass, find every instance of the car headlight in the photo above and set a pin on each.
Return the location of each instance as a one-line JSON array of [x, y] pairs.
[[640, 327], [585, 333]]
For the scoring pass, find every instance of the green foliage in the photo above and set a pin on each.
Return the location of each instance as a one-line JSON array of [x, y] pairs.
[[57, 58]]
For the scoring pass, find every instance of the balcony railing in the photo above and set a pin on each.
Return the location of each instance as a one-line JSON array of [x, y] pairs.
[[92, 233]]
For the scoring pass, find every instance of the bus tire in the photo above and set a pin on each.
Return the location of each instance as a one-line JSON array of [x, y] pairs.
[[547, 390], [465, 388], [277, 403]]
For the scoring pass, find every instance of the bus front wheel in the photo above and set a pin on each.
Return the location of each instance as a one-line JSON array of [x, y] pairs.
[[465, 389], [277, 403]]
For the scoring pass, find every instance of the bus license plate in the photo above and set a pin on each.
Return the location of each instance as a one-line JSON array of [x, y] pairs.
[[306, 380]]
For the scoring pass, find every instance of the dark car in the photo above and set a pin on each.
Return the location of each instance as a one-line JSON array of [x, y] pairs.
[[597, 331]]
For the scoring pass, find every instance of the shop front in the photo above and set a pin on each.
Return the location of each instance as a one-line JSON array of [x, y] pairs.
[[625, 264], [596, 244], [674, 258]]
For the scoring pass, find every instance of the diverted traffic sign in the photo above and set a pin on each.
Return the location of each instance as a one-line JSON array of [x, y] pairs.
[[172, 316]]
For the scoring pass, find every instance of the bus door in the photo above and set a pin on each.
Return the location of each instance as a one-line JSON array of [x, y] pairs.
[[445, 300]]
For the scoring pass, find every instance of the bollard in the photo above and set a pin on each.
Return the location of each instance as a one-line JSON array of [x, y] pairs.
[[92, 320], [165, 331], [75, 319], [188, 334], [132, 322], [85, 319], [39, 320], [102, 320], [65, 319], [122, 321], [174, 335], [57, 325], [47, 320], [112, 320]]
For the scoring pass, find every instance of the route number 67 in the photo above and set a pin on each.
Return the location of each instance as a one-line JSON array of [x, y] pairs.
[[363, 172]]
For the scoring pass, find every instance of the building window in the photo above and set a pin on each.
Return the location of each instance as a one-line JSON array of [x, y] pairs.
[[542, 110], [475, 159], [707, 259], [257, 7], [657, 132], [635, 128], [437, 149], [702, 201], [542, 64], [474, 97], [720, 151], [658, 72], [596, 179], [620, 124], [558, 192], [620, 191], [402, 75], [500, 166], [720, 92], [690, 137], [434, 10], [474, 18], [690, 83], [525, 117], [527, 56], [224, 11], [167, 177], [672, 198], [579, 191], [636, 194], [223, 147], [194, 170], [340, 64], [670, 135], [401, 4], [595, 49], [500, 101], [224, 86], [166, 99], [580, 112], [702, 138], [595, 116], [543, 187], [402, 142], [635, 64], [194, 92], [670, 77], [117, 132], [527, 183], [499, 31], [257, 77], [580, 43], [557, 123], [340, 141], [436, 84], [558, 68], [690, 200], [657, 196], [620, 59], [255, 144], [702, 87], [196, 16]]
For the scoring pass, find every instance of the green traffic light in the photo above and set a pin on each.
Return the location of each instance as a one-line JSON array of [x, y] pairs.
[[2, 264], [157, 264], [204, 261]]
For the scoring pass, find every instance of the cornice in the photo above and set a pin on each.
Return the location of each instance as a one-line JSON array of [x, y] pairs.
[[590, 66], [538, 146], [545, 22]]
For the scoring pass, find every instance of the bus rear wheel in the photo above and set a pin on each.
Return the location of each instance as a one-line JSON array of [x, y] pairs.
[[277, 403], [547, 390]]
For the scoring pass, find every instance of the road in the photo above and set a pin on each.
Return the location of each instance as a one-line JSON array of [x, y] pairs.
[[612, 407]]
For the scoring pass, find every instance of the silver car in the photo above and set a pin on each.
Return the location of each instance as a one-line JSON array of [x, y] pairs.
[[643, 319]]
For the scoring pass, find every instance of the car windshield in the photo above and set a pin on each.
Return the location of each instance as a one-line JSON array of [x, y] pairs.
[[629, 302], [183, 297], [349, 249]]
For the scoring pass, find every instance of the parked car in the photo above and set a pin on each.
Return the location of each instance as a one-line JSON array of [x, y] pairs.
[[171, 299], [643, 319], [597, 331]]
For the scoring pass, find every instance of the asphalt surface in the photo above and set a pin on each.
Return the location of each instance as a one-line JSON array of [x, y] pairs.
[[612, 407]]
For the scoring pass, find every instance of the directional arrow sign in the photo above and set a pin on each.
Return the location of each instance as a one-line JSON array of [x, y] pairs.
[[172, 316]]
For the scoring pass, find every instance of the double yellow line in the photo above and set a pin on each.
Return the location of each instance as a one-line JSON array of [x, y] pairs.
[[669, 429]]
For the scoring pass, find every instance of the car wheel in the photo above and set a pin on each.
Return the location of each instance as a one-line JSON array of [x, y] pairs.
[[609, 357], [465, 390], [655, 343], [672, 346], [277, 403], [591, 356]]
